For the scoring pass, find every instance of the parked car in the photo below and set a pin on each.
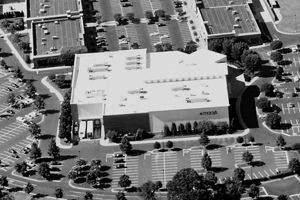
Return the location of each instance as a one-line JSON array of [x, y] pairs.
[[119, 166], [10, 112], [11, 150], [21, 119], [8, 89], [118, 155], [25, 150], [119, 160], [15, 155], [14, 85]]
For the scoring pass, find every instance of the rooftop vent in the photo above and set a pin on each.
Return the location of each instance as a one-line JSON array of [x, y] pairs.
[[95, 77], [101, 65], [196, 100], [133, 67], [99, 69]]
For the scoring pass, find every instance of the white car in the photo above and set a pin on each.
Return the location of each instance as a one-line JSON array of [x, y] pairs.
[[21, 119], [291, 105]]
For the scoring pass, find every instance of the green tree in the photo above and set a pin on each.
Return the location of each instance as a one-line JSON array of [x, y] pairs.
[[190, 47], [35, 151], [121, 196], [247, 157], [169, 144], [18, 73], [135, 45], [35, 130], [174, 129], [280, 141], [65, 118], [80, 162], [16, 38], [149, 14], [273, 120], [188, 128], [276, 56], [204, 140], [148, 190], [5, 23], [238, 174], [44, 170], [88, 196], [206, 161], [39, 103], [21, 167], [251, 139], [3, 181], [30, 89], [124, 181], [130, 16], [125, 145], [263, 103], [167, 131], [11, 99], [215, 45], [239, 139], [24, 46], [294, 165], [222, 128], [282, 197], [156, 145], [238, 49], [28, 188], [210, 178], [118, 17], [73, 174], [253, 191], [53, 149], [58, 193], [160, 13]]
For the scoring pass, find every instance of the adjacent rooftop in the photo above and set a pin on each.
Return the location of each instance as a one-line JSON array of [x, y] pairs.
[[134, 81]]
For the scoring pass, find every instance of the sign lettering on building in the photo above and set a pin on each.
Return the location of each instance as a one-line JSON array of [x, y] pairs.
[[209, 113]]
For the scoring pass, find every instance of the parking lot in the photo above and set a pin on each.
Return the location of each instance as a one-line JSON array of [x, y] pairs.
[[289, 104], [162, 166]]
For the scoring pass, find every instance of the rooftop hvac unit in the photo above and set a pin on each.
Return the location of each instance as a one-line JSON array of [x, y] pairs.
[[142, 91], [236, 26], [133, 91], [196, 100], [133, 67], [142, 97], [102, 69], [46, 32], [44, 27], [41, 4], [93, 77], [234, 12], [101, 65], [53, 48], [42, 10], [43, 43]]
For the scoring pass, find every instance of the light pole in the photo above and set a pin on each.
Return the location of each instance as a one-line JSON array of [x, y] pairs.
[[79, 154]]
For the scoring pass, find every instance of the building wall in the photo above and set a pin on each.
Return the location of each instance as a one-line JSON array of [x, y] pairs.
[[160, 118], [87, 111], [127, 122]]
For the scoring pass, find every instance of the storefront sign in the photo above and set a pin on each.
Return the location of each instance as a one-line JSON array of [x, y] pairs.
[[209, 113]]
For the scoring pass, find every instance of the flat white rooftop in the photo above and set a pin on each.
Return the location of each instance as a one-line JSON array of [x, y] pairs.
[[134, 81]]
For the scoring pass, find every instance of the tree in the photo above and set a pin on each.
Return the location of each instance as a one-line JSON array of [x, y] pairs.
[[238, 49], [11, 28], [135, 45], [190, 47], [251, 60], [215, 45], [11, 99], [253, 191], [30, 89], [273, 120], [73, 174], [5, 23], [148, 190], [227, 46], [149, 14], [206, 161], [112, 136], [98, 17], [58, 193], [68, 54], [27, 59], [156, 145], [263, 103], [174, 129], [160, 13], [207, 127], [247, 157], [121, 196], [80, 162], [3, 63], [204, 140], [251, 139], [130, 16], [44, 170], [276, 56], [24, 46], [18, 73], [222, 128], [195, 127], [238, 174], [282, 197], [88, 196], [169, 144], [210, 178], [167, 131], [188, 184], [28, 188], [16, 38], [125, 145], [21, 167], [35, 151], [35, 130], [239, 139], [39, 103], [53, 149], [3, 181], [188, 128], [181, 129], [276, 44], [124, 181], [294, 165], [95, 164], [65, 118], [280, 141]]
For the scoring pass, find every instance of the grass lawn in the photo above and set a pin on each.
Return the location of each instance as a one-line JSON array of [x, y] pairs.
[[289, 10], [10, 60], [24, 38], [287, 186]]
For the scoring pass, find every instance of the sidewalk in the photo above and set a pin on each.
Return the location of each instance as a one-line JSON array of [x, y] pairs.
[[106, 142], [60, 98]]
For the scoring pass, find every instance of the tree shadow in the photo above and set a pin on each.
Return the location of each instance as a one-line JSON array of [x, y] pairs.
[[213, 146], [5, 54], [102, 186], [41, 160], [4, 165], [30, 173], [65, 157], [105, 168], [15, 189], [55, 169], [136, 152], [263, 62], [284, 50], [265, 198], [39, 195], [45, 137], [218, 169], [176, 149], [55, 177], [284, 62], [285, 126], [45, 96], [106, 180], [163, 150], [104, 174], [132, 189], [257, 163], [80, 180], [266, 71], [51, 111]]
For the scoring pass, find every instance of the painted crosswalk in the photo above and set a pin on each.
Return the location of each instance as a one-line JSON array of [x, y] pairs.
[[281, 159], [238, 153], [9, 132], [195, 158], [216, 157], [132, 170]]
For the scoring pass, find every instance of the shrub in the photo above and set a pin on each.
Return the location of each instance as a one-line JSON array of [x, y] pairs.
[[263, 103], [169, 144], [239, 139], [276, 44], [112, 135], [273, 120], [296, 146], [276, 56], [27, 59], [156, 145], [51, 77]]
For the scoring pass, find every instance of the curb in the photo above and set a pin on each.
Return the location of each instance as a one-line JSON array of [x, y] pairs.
[[79, 188], [245, 132], [277, 132], [31, 179]]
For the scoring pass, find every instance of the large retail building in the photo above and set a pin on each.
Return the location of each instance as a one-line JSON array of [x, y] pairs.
[[132, 89]]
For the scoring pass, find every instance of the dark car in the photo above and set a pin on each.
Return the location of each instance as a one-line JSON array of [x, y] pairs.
[[127, 4], [8, 89], [161, 24], [25, 150], [119, 160], [10, 112], [118, 155], [14, 85], [120, 166], [11, 150]]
